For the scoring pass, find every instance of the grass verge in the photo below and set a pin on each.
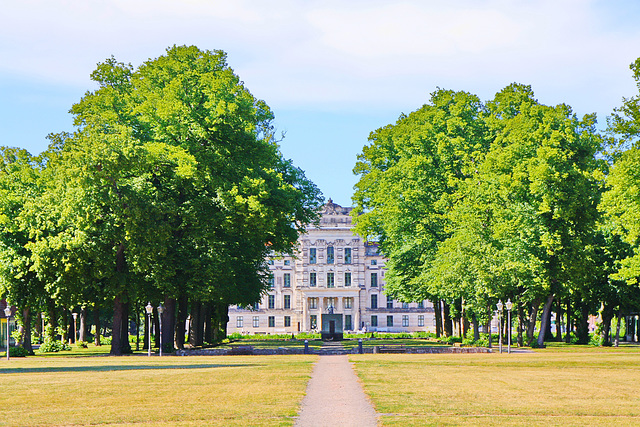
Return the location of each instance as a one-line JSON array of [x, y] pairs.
[[542, 388], [168, 391]]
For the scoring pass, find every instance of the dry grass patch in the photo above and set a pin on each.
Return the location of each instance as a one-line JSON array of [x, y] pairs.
[[547, 388], [168, 391]]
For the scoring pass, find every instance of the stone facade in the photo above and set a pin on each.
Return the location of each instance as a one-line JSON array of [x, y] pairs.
[[332, 271]]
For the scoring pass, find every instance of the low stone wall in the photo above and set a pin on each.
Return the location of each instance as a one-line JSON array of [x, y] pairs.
[[248, 350]]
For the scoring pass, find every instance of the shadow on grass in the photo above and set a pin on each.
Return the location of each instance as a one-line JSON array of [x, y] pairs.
[[42, 370]]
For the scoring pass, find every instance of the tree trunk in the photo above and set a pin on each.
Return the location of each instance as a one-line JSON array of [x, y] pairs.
[[66, 324], [120, 333], [26, 330], [547, 334], [82, 329], [208, 324], [559, 322], [437, 307], [476, 328], [545, 319], [196, 325], [224, 319], [156, 328], [583, 326], [169, 325], [466, 326], [448, 323], [607, 316], [51, 329], [618, 329], [147, 330], [183, 303], [96, 323], [520, 325], [39, 332], [533, 318], [567, 334], [220, 320], [120, 330]]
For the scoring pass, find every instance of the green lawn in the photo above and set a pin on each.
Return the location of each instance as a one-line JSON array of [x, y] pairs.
[[546, 387], [168, 391]]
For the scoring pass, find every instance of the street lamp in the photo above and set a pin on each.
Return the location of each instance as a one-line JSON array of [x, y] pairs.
[[160, 311], [500, 307], [509, 306], [149, 309], [75, 332], [43, 315], [7, 313]]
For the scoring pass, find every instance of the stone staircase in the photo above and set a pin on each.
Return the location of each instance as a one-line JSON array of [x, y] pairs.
[[331, 348]]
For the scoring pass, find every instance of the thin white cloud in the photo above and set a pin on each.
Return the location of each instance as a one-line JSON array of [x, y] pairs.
[[338, 54]]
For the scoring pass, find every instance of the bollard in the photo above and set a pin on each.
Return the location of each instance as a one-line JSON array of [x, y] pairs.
[[360, 346], [306, 346]]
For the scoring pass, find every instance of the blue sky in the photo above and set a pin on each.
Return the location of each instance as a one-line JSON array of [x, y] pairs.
[[332, 71]]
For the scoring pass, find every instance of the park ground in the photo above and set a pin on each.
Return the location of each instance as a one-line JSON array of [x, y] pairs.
[[569, 385]]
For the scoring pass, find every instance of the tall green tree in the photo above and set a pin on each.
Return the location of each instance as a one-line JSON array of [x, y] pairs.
[[173, 185], [409, 176], [19, 182], [473, 203]]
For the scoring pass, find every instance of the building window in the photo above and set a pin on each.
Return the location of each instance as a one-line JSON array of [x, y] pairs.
[[313, 321], [374, 280], [421, 320], [287, 302], [347, 322], [330, 255], [405, 305], [347, 255], [389, 320], [272, 302], [389, 302], [312, 279], [287, 321], [348, 302], [374, 262], [374, 321], [374, 301], [347, 278], [312, 256], [272, 321], [256, 321], [421, 304], [332, 302], [287, 280], [270, 262], [330, 281], [271, 282], [287, 262], [256, 306], [239, 322], [405, 321], [313, 303]]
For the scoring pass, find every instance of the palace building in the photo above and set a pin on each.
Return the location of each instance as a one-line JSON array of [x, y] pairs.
[[333, 271]]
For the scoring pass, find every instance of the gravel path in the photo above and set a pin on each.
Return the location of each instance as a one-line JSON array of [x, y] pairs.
[[335, 397]]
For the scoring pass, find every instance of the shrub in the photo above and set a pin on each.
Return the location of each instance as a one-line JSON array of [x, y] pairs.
[[53, 346], [82, 344], [18, 352], [235, 336]]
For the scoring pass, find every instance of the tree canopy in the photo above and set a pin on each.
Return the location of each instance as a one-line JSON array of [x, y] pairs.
[[172, 185]]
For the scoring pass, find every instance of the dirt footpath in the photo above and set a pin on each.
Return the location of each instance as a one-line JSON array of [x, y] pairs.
[[335, 397]]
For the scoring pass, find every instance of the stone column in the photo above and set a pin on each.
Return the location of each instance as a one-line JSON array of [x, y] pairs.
[[356, 311], [305, 313]]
